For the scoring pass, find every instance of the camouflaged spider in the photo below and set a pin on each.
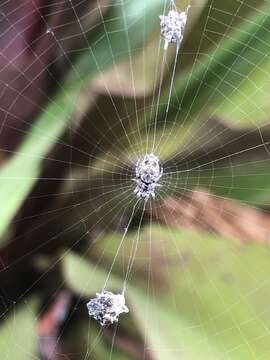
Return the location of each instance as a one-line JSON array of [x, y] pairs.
[[148, 172]]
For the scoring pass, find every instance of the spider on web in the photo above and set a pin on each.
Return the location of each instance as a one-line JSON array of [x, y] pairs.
[[148, 172]]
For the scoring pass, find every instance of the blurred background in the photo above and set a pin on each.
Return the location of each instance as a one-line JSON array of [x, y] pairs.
[[86, 91]]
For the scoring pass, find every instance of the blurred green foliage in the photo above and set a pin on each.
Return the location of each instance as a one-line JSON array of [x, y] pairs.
[[211, 295]]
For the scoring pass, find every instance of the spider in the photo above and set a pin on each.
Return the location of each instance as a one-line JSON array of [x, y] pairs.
[[148, 172]]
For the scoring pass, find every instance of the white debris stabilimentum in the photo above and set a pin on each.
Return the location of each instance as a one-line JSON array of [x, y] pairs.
[[172, 27], [106, 307], [148, 172]]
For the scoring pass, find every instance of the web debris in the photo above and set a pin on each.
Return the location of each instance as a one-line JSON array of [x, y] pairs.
[[173, 26], [148, 173], [106, 307]]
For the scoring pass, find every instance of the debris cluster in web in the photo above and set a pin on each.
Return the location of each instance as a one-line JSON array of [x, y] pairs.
[[106, 307], [173, 26]]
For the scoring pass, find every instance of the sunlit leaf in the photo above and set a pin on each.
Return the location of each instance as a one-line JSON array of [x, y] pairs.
[[233, 74]]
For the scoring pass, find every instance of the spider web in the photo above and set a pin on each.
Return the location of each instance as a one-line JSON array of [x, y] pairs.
[[130, 107]]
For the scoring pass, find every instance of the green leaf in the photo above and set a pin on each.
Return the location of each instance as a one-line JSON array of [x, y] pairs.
[[18, 336], [248, 104], [89, 281], [19, 174], [227, 162], [248, 181], [180, 335], [234, 73], [124, 30], [207, 297]]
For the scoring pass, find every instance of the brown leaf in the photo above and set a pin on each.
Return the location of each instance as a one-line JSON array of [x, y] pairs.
[[202, 211]]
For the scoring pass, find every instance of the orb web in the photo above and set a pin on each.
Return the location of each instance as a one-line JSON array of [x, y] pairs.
[[210, 137]]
